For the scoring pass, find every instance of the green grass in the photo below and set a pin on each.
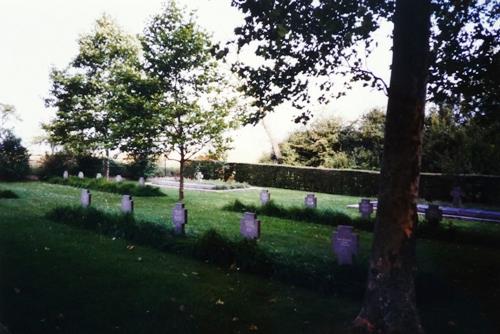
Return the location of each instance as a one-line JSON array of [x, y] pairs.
[[59, 278], [123, 187]]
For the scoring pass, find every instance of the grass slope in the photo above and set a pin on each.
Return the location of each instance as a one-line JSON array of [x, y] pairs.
[[57, 278]]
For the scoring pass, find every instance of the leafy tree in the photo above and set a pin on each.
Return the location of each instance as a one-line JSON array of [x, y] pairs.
[[14, 158], [191, 108], [7, 113], [84, 92], [436, 39]]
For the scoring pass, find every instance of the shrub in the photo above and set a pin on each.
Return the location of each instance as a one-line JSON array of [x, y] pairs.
[[124, 187], [14, 159], [7, 194]]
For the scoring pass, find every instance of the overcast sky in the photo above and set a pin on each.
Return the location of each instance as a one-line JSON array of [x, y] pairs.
[[38, 34]]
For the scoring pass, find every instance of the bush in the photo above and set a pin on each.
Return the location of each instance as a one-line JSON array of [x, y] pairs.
[[14, 159], [7, 194], [124, 187]]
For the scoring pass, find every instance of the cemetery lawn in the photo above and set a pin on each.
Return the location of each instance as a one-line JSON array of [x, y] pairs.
[[59, 279]]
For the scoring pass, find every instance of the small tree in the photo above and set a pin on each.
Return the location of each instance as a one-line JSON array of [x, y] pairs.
[[14, 158], [84, 92], [191, 111]]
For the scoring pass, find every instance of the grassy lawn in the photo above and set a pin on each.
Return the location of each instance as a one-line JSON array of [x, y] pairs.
[[55, 278]]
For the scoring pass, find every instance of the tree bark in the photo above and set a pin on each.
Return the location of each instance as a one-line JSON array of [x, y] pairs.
[[181, 177], [389, 305], [106, 165]]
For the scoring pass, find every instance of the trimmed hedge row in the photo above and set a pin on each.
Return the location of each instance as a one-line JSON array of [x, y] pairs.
[[477, 188]]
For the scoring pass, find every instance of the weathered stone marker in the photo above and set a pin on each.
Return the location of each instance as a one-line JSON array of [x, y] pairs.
[[65, 175], [365, 208], [141, 181], [250, 226], [265, 197], [457, 194], [433, 214], [311, 201], [118, 178], [98, 176], [80, 175], [85, 198], [127, 204], [345, 244], [179, 218], [198, 176]]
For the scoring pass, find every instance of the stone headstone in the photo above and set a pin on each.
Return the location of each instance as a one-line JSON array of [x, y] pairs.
[[365, 208], [250, 226], [265, 197], [457, 194], [142, 182], [127, 204], [65, 175], [80, 175], [98, 176], [85, 198], [433, 214], [311, 201], [198, 176], [345, 244], [118, 178], [179, 218]]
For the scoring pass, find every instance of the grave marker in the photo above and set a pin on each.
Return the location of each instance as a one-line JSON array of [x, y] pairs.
[[179, 218], [250, 226], [457, 194], [118, 178], [311, 201], [127, 204], [85, 198], [80, 175], [141, 181], [65, 175], [365, 208], [265, 197], [345, 244], [98, 176], [198, 176], [433, 214]]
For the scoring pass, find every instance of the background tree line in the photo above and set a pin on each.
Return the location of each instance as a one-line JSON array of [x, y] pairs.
[[450, 145]]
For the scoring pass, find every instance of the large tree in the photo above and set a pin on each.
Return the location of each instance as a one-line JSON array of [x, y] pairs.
[[454, 43], [84, 93], [192, 110]]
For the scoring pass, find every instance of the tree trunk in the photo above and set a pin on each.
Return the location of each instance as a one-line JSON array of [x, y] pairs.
[[106, 165], [389, 305], [276, 154], [181, 178]]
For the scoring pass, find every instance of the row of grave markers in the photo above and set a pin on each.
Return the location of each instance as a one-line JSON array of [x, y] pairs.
[[118, 178], [345, 243], [433, 214]]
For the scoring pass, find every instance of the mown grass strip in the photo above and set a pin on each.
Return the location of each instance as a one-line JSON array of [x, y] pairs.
[[443, 232], [124, 187], [244, 255]]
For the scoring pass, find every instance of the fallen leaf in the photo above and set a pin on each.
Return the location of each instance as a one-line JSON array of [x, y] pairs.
[[219, 302], [253, 327], [236, 318]]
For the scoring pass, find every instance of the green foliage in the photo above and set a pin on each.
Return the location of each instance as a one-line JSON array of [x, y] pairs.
[[8, 194], [330, 144], [14, 158], [191, 98], [84, 93], [124, 187]]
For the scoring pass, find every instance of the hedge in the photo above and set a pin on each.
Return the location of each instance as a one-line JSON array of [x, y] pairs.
[[477, 188]]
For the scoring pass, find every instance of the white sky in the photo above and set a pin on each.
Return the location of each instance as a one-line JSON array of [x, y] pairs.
[[38, 34]]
